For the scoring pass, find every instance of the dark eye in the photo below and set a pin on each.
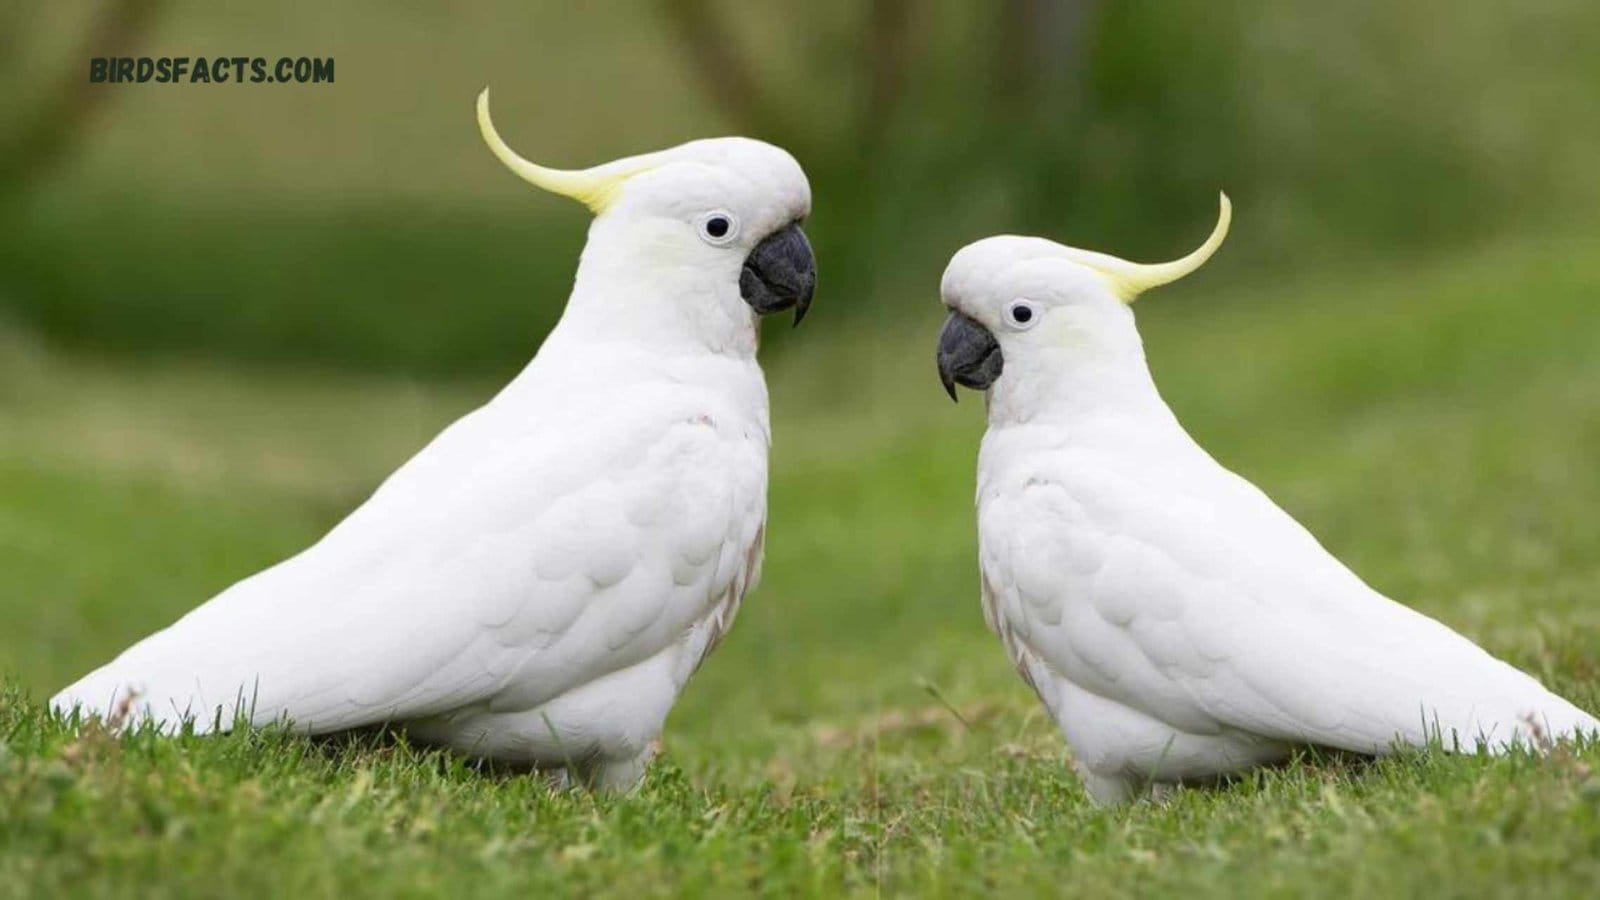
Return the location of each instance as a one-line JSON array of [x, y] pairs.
[[1022, 314], [718, 227]]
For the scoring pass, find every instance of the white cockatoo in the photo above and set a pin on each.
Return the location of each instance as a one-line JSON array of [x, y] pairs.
[[1177, 624], [539, 582]]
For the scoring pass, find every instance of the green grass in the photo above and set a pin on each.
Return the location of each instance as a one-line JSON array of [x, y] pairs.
[[860, 731]]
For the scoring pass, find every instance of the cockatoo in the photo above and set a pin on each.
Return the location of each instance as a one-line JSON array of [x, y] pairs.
[[537, 584], [1177, 625]]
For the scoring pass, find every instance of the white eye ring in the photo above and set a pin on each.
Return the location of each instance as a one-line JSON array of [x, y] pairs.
[[709, 224], [1023, 314]]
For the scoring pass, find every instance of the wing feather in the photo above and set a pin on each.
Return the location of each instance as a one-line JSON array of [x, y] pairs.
[[1197, 601], [503, 565]]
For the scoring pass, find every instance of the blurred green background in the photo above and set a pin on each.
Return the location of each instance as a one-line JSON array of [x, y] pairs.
[[227, 311], [363, 225]]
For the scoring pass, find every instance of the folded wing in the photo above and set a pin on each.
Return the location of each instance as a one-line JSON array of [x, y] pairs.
[[1201, 603], [502, 564]]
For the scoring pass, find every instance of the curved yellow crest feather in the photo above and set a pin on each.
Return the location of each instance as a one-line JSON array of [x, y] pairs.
[[1130, 279], [595, 187]]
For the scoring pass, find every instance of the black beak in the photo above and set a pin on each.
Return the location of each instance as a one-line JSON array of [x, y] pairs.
[[779, 273], [968, 355]]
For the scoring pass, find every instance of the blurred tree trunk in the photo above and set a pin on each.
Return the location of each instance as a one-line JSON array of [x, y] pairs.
[[735, 86], [886, 54], [724, 71], [1041, 48], [47, 133], [1038, 61]]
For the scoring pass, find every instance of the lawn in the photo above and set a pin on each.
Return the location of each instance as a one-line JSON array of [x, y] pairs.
[[1437, 425]]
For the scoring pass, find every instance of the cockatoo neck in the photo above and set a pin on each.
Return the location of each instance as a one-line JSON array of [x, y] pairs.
[[634, 317], [1072, 375], [630, 289]]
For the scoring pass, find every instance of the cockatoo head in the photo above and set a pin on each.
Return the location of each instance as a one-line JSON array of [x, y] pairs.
[[696, 222], [1027, 303]]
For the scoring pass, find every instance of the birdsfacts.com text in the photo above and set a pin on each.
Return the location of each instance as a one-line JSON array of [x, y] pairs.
[[210, 70]]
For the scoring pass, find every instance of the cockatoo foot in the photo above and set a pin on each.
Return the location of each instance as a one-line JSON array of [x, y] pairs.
[[1163, 792]]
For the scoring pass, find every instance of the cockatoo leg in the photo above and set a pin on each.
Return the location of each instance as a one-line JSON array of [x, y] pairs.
[[618, 775], [558, 779], [1108, 790], [1116, 790]]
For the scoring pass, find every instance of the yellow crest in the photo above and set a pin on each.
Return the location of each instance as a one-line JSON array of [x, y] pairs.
[[595, 188], [1130, 279]]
